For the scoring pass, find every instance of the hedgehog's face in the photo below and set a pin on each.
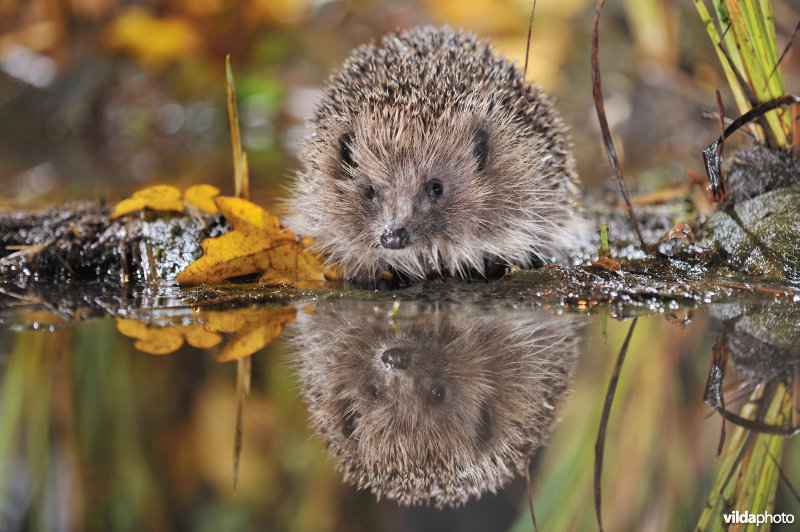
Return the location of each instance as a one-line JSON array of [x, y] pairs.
[[413, 197]]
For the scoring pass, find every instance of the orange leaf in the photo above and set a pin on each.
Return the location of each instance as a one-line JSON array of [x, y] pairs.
[[607, 263]]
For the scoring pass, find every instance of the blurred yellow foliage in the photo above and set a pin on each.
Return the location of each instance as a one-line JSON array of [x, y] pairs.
[[480, 16], [257, 244], [39, 36], [546, 56], [154, 41], [92, 9], [286, 12], [204, 8], [506, 23]]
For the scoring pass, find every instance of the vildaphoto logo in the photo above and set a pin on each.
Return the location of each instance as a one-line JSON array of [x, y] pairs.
[[744, 518]]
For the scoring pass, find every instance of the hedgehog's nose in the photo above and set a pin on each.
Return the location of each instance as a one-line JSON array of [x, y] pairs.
[[395, 238], [396, 358]]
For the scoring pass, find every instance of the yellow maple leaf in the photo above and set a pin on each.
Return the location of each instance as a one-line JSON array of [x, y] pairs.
[[255, 329], [202, 197], [257, 244], [290, 264], [158, 197], [241, 213]]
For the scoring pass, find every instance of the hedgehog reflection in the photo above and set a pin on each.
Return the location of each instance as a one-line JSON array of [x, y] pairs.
[[437, 407]]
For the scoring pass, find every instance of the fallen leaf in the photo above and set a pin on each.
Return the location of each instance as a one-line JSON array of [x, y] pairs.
[[257, 244], [202, 197], [676, 239], [607, 263], [242, 213], [158, 197], [290, 264]]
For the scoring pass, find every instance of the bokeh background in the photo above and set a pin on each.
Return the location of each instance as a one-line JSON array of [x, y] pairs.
[[101, 97]]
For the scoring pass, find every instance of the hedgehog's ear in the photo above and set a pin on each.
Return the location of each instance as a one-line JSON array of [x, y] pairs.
[[346, 141], [480, 148]]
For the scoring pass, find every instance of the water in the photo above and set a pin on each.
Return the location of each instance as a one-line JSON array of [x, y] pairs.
[[436, 393]]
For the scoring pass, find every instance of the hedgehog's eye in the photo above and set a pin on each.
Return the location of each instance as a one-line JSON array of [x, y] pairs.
[[369, 192], [435, 189], [437, 394], [480, 148], [346, 149], [374, 391]]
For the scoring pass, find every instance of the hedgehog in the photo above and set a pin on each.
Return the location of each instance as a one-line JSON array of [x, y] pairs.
[[430, 155], [432, 408]]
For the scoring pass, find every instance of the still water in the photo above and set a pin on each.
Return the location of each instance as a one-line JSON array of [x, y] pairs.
[[130, 418]]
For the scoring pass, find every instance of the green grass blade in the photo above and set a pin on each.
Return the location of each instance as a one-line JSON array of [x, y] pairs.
[[766, 53], [727, 34], [752, 66], [716, 39], [774, 77], [752, 481]]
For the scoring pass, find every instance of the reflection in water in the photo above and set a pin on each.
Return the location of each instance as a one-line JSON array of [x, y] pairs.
[[763, 342], [433, 406]]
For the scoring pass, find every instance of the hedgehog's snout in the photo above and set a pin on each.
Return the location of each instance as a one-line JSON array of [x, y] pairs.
[[395, 238], [396, 358]]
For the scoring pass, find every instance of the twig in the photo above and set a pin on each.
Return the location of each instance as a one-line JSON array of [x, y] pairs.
[[712, 155], [527, 51], [785, 50], [720, 195], [597, 92], [599, 445], [530, 495], [784, 478]]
